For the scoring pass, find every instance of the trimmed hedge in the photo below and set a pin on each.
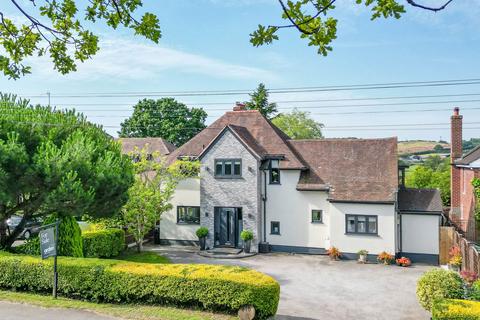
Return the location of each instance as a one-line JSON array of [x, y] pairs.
[[105, 243], [438, 284], [456, 310], [212, 287]]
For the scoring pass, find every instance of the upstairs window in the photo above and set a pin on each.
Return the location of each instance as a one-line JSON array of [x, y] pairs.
[[361, 224], [228, 168], [317, 216], [274, 171]]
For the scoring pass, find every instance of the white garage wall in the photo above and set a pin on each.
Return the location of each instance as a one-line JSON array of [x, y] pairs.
[[384, 241], [292, 209], [420, 233], [186, 194]]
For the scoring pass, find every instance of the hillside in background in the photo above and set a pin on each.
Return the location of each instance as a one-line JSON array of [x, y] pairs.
[[422, 147]]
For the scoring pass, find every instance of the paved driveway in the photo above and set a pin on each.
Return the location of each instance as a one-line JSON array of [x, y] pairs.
[[313, 287]]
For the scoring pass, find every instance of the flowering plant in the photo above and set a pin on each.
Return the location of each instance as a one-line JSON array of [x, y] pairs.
[[334, 253], [404, 262], [469, 277], [455, 256], [385, 257]]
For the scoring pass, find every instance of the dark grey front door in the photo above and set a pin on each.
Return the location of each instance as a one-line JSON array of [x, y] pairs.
[[225, 227]]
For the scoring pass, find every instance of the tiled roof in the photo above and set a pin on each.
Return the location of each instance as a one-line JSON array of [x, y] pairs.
[[253, 128], [419, 200], [154, 144], [362, 170], [470, 157]]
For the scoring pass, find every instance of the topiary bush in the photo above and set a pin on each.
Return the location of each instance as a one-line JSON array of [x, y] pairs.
[[70, 242], [438, 284], [202, 232], [105, 243], [211, 287], [456, 310]]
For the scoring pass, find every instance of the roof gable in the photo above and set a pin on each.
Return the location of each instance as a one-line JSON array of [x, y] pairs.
[[154, 145], [471, 158], [253, 129]]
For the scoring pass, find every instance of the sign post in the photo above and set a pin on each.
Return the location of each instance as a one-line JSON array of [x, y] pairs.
[[48, 248]]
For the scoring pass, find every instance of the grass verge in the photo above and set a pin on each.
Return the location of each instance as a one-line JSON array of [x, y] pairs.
[[142, 257], [124, 311]]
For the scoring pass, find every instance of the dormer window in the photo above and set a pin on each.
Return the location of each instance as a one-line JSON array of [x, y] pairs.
[[228, 168], [274, 169]]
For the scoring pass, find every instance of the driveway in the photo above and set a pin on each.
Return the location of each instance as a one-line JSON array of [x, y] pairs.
[[313, 287]]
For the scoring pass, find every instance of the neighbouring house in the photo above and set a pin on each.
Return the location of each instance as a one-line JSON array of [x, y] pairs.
[[464, 168], [130, 145], [297, 195]]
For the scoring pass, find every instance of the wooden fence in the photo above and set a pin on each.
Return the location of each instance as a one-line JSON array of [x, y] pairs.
[[450, 237]]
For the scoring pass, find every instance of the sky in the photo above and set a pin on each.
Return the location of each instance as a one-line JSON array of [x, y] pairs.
[[205, 47]]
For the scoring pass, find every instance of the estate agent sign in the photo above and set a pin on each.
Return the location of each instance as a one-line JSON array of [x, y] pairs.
[[48, 248]]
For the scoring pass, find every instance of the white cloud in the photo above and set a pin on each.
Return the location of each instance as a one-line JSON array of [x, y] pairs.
[[135, 59]]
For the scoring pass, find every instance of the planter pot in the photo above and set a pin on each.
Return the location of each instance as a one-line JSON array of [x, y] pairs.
[[247, 245], [454, 267], [362, 258], [203, 243]]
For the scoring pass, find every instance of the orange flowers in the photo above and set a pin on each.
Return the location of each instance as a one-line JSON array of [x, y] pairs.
[[404, 262]]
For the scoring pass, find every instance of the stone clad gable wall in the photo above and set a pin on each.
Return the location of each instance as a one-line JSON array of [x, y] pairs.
[[243, 192]]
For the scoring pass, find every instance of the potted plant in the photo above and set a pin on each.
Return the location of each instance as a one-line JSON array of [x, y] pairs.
[[247, 237], [334, 253], [404, 262], [202, 234], [455, 261], [362, 256], [385, 257]]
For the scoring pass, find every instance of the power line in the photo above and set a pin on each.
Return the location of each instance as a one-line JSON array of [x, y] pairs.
[[376, 86]]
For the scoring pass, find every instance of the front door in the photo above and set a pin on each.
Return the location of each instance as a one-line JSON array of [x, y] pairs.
[[225, 227]]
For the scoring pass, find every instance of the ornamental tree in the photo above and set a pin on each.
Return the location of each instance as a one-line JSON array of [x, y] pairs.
[[150, 195], [165, 118], [259, 101], [55, 162]]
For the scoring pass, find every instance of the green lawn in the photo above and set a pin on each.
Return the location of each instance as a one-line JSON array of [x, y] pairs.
[[142, 257], [124, 311]]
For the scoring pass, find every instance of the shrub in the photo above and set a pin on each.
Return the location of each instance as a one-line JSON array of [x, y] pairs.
[[362, 252], [212, 287], [246, 235], [469, 277], [69, 236], [105, 243], [456, 310], [438, 284], [475, 291], [334, 253], [30, 247], [385, 257], [202, 232]]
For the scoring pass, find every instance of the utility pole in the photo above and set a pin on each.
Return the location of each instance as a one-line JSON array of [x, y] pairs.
[[48, 95]]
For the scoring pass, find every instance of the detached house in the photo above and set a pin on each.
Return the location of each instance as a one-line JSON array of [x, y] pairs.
[[294, 195]]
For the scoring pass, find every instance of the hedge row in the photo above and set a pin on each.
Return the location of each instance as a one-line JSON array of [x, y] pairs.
[[456, 310], [105, 243], [222, 288]]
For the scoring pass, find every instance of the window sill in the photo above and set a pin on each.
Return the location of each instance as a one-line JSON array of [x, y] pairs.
[[229, 178], [317, 222], [362, 234], [275, 234], [188, 224]]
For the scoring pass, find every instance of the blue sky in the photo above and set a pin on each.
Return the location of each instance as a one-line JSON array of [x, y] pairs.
[[205, 46]]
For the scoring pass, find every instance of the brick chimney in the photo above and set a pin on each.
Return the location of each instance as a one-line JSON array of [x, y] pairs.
[[456, 153], [239, 106]]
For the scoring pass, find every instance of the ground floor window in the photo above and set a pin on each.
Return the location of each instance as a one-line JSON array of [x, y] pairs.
[[274, 227], [317, 216], [361, 224], [188, 215]]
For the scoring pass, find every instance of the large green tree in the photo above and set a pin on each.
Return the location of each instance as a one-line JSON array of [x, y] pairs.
[[55, 162], [150, 195], [298, 125], [433, 173], [62, 28], [259, 101], [165, 118]]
